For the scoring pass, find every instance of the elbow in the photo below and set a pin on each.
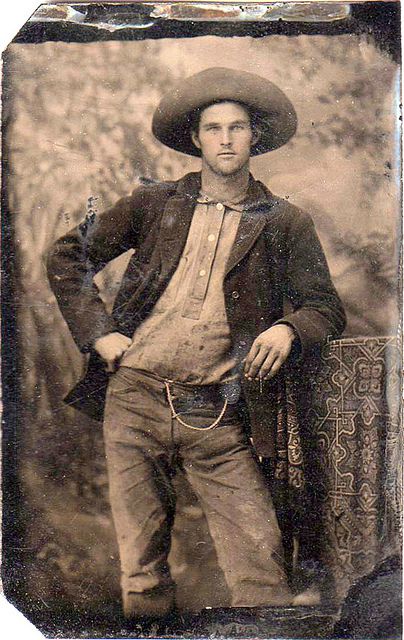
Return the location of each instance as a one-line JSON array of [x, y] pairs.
[[55, 265], [340, 320], [342, 317]]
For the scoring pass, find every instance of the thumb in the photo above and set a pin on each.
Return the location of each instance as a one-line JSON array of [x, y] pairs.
[[111, 366]]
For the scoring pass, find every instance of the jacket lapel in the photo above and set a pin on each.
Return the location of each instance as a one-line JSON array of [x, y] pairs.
[[250, 227], [174, 229], [176, 221], [252, 223]]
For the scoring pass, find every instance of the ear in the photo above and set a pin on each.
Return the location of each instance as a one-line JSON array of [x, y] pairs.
[[195, 139]]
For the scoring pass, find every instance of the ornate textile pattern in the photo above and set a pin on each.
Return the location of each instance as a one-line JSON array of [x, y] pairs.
[[289, 462], [356, 411]]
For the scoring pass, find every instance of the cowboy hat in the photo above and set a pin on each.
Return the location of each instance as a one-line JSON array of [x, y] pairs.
[[267, 104]]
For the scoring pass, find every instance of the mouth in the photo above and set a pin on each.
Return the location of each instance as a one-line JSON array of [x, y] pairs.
[[226, 154]]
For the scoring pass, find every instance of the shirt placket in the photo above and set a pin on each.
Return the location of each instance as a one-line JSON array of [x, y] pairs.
[[198, 288]]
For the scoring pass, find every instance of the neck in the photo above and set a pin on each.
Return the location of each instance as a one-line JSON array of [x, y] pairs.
[[220, 187]]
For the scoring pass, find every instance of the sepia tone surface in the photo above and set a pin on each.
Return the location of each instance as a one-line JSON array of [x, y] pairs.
[[78, 134]]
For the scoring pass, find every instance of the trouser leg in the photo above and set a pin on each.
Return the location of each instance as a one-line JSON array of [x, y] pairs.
[[282, 511], [240, 514], [141, 495]]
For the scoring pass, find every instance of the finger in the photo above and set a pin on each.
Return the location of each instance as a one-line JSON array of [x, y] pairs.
[[267, 365], [125, 342], [250, 357], [114, 357], [125, 347], [111, 366], [110, 355], [257, 363], [274, 369], [119, 353]]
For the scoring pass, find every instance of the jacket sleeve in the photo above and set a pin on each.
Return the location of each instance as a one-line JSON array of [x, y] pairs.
[[317, 313], [74, 259]]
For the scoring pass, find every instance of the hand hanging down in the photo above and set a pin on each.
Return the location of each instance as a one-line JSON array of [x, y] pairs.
[[268, 352]]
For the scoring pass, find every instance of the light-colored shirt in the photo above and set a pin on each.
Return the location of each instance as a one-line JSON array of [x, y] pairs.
[[186, 338]]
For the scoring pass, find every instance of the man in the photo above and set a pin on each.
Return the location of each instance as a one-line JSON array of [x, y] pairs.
[[198, 336]]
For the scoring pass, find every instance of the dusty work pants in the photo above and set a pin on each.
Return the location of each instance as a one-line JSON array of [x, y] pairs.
[[143, 444]]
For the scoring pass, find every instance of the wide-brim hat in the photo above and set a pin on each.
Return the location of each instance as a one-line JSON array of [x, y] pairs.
[[265, 101]]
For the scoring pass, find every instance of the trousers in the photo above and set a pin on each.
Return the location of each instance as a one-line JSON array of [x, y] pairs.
[[144, 443]]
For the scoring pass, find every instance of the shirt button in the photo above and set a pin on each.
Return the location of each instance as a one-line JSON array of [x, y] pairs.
[[211, 237], [219, 206], [202, 272], [235, 295]]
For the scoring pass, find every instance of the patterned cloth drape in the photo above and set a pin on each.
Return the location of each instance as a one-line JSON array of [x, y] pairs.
[[339, 455], [355, 412]]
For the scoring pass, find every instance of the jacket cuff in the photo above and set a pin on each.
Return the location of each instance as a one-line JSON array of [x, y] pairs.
[[296, 349], [310, 326]]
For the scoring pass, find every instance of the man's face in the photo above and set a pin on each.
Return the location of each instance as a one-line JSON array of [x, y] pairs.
[[225, 137]]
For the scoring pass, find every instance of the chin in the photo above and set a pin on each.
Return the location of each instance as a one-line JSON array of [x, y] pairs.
[[228, 170]]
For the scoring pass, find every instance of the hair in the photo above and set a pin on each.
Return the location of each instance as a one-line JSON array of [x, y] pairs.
[[194, 118]]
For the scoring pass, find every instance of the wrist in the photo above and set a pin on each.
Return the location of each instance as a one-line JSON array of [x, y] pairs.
[[291, 331]]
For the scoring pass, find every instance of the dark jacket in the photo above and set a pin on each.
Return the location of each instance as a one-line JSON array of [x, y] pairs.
[[276, 257]]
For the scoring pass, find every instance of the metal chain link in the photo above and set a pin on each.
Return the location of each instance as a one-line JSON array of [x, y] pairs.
[[190, 426]]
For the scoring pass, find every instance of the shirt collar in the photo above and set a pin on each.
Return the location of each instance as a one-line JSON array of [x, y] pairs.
[[237, 205], [257, 196]]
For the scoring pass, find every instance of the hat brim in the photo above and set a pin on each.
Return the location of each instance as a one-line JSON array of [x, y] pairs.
[[271, 109]]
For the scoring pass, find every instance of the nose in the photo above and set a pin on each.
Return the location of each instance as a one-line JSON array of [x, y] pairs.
[[226, 137]]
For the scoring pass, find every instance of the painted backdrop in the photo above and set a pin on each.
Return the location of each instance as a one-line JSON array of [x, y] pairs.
[[78, 137]]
